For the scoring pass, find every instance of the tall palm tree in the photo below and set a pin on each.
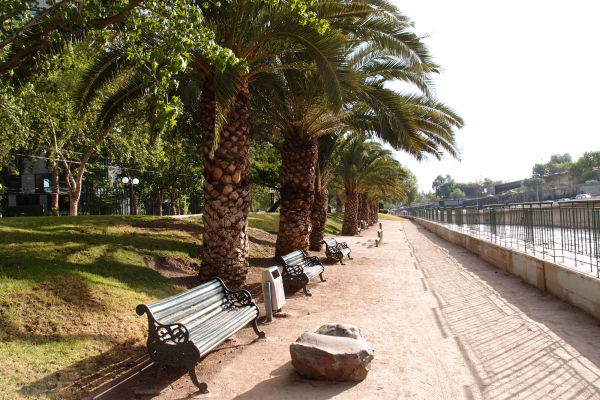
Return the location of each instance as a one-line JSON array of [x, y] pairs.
[[325, 170], [301, 114], [259, 34], [364, 166], [292, 103]]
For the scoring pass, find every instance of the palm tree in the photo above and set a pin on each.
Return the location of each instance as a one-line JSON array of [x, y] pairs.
[[260, 34], [365, 167], [325, 168], [295, 106], [292, 103]]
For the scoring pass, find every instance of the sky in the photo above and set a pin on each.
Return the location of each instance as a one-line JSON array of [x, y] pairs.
[[524, 75]]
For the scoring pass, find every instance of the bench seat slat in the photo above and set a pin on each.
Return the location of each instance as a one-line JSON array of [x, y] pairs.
[[214, 296], [215, 319], [178, 298], [220, 323], [196, 311], [207, 343]]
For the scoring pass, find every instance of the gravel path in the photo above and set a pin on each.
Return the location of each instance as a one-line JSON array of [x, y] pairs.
[[444, 323]]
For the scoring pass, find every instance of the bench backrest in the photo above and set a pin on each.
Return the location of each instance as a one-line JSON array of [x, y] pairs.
[[294, 258], [194, 306], [331, 242]]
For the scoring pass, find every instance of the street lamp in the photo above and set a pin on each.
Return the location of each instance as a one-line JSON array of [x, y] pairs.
[[132, 183]]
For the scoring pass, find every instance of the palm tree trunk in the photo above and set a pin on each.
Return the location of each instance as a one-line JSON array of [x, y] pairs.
[[226, 190], [299, 159], [350, 225], [318, 215], [375, 208], [364, 208]]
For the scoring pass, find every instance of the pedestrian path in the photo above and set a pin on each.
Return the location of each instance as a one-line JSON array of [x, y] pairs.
[[444, 323]]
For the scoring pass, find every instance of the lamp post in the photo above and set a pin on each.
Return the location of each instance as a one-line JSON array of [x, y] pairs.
[[131, 182]]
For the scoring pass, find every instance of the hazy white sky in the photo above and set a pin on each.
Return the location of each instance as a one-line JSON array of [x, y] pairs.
[[524, 75]]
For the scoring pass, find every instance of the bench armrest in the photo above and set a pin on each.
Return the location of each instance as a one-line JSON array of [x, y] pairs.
[[343, 245], [314, 260], [293, 270], [163, 333], [239, 298]]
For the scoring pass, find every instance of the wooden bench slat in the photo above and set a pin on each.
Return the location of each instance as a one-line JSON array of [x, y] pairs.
[[214, 321], [184, 327], [336, 250], [298, 269], [208, 345], [196, 311], [178, 298], [223, 324]]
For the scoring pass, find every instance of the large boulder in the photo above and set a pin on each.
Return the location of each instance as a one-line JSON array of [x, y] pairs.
[[343, 330], [335, 352]]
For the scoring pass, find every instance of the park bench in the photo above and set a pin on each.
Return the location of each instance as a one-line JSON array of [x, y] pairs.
[[336, 251], [363, 224], [184, 328], [298, 269]]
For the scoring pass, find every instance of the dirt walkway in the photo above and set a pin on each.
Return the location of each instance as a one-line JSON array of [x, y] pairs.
[[445, 325]]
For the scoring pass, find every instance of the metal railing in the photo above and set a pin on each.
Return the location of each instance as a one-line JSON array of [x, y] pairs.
[[566, 232]]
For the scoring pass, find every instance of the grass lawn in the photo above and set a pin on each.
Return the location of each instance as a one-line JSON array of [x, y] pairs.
[[68, 291], [390, 217]]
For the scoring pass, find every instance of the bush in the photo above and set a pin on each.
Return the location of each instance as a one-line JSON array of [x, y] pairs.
[[384, 211]]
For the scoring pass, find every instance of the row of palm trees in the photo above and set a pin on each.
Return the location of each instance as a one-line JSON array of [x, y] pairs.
[[312, 95]]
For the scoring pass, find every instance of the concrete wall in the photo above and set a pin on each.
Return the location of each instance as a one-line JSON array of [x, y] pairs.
[[578, 289]]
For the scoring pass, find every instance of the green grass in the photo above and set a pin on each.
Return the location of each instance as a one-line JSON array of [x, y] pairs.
[[390, 217], [333, 226], [68, 291], [266, 221]]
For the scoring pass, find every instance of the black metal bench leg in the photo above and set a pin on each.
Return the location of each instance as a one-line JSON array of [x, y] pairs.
[[306, 292], [321, 276], [260, 334], [202, 386]]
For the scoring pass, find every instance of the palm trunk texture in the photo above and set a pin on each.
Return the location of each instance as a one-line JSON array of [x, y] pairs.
[[318, 218], [350, 225], [364, 208], [299, 159], [226, 191]]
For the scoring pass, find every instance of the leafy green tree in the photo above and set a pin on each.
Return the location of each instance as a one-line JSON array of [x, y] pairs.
[[558, 164], [587, 167], [457, 194], [443, 186]]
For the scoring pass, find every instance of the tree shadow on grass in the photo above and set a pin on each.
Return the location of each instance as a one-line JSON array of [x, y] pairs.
[[84, 376]]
